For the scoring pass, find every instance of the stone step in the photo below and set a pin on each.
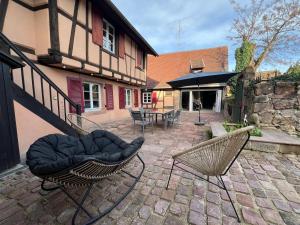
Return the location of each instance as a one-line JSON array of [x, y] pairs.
[[273, 140]]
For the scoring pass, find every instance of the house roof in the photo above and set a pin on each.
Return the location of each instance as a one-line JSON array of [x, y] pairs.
[[170, 66], [114, 14]]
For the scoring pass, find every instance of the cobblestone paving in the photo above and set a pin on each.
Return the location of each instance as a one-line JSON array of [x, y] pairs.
[[265, 188]]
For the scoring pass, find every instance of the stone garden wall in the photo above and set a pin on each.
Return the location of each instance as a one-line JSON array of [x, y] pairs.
[[277, 104]]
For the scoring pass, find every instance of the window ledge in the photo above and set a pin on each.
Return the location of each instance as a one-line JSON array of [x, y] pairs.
[[140, 68], [109, 52]]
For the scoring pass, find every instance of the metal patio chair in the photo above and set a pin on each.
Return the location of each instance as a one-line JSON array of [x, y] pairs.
[[139, 118], [213, 157], [81, 124], [174, 117], [82, 162]]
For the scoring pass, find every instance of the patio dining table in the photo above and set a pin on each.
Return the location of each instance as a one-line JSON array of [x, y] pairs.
[[163, 112]]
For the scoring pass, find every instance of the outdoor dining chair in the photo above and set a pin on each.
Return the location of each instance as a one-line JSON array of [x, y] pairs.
[[213, 158], [174, 117], [139, 118]]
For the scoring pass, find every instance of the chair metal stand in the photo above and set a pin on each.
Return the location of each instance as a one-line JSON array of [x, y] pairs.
[[220, 183], [86, 194]]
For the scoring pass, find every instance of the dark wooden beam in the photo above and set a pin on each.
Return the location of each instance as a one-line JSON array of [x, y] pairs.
[[73, 29], [29, 7], [3, 10], [53, 25], [9, 151], [87, 30], [65, 14]]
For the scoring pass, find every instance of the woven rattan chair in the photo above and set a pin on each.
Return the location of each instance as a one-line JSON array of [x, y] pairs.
[[81, 162], [81, 124], [213, 157]]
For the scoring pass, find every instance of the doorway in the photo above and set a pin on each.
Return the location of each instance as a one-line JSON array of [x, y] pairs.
[[185, 100], [207, 99]]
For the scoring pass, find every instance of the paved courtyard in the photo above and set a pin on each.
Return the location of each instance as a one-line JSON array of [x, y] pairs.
[[265, 187]]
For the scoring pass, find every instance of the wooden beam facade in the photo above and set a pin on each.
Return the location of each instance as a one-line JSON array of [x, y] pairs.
[[70, 33]]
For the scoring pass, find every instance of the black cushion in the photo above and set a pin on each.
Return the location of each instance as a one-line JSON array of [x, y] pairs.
[[56, 152]]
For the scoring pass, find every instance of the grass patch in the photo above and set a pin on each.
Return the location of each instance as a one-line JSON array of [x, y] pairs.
[[234, 126]]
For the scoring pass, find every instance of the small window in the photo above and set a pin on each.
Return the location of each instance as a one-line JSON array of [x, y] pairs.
[[91, 93], [147, 98], [108, 37], [128, 97]]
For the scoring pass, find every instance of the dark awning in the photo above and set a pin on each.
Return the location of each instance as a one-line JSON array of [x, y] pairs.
[[201, 78]]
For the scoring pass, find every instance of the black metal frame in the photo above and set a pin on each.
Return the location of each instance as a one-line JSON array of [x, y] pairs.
[[80, 203], [220, 183]]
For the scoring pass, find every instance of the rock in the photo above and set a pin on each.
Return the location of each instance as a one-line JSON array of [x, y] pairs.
[[172, 220], [277, 119], [283, 103], [66, 215], [252, 217], [197, 205], [245, 200], [266, 117], [261, 98], [196, 218], [176, 209], [254, 118], [288, 112], [145, 212], [155, 220], [259, 107], [290, 218], [285, 89], [263, 88], [271, 216], [161, 207], [297, 113]]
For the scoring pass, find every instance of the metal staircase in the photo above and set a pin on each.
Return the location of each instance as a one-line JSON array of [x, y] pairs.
[[22, 81], [36, 92]]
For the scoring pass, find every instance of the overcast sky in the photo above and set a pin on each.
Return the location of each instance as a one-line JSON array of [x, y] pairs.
[[177, 25]]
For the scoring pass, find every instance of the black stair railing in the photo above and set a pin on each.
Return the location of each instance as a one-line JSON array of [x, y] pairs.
[[38, 85]]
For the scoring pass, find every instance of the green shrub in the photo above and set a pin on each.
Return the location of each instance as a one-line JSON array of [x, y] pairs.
[[292, 74], [232, 127]]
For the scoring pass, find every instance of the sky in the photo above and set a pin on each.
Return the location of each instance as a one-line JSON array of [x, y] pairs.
[[180, 25]]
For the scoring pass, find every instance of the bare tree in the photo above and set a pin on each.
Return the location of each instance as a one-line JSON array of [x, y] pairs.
[[272, 26]]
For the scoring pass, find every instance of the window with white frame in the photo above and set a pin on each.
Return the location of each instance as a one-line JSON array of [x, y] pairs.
[[128, 97], [108, 37], [147, 97], [92, 96]]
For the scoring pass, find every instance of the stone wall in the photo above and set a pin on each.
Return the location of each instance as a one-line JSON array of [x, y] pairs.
[[277, 104]]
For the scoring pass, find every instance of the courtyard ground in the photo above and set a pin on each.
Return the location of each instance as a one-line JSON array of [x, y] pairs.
[[264, 186]]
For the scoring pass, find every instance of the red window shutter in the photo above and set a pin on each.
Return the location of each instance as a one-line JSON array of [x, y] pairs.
[[109, 97], [122, 45], [122, 98], [136, 98], [139, 58], [97, 24], [75, 92]]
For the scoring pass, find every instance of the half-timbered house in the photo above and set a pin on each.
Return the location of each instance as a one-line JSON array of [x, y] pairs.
[[86, 52]]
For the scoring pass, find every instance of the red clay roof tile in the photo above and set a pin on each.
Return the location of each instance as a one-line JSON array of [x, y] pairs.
[[167, 67]]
